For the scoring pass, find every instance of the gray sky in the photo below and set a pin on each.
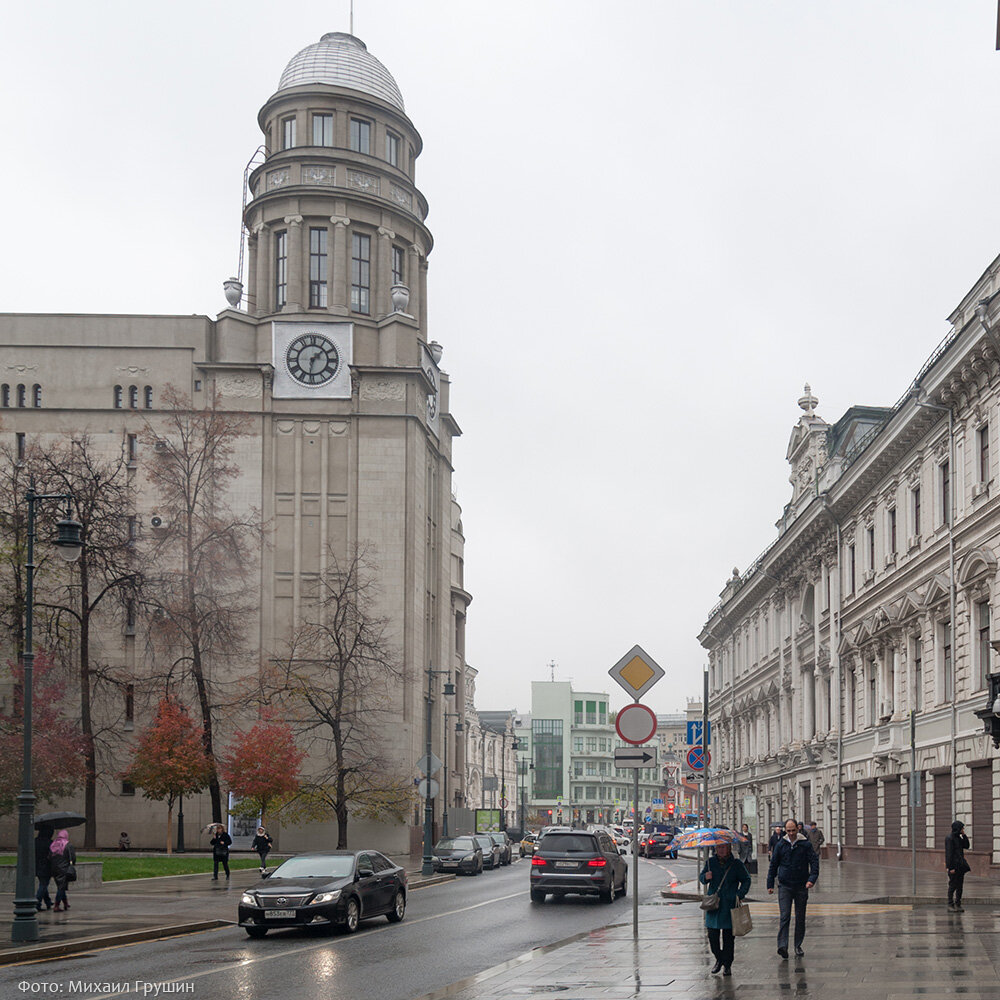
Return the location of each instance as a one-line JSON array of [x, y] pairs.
[[654, 221]]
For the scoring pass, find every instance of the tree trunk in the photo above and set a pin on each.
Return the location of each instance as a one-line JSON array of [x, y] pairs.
[[86, 718], [341, 825], [170, 827]]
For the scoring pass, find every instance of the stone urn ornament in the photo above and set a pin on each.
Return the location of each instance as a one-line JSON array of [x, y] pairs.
[[436, 351], [400, 296], [233, 288]]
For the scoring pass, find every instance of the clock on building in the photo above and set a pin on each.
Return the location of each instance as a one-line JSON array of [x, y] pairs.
[[312, 359]]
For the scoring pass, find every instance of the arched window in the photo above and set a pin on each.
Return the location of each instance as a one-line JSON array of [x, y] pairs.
[[4, 395], [36, 395], [22, 396], [118, 397], [147, 397], [133, 397]]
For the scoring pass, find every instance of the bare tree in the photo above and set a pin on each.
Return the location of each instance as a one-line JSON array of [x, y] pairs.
[[101, 593], [335, 688], [204, 553]]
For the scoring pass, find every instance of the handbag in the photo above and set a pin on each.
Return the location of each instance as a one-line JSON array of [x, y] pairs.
[[71, 873], [711, 902], [740, 915]]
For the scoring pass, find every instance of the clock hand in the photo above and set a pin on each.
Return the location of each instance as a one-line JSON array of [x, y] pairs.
[[317, 354]]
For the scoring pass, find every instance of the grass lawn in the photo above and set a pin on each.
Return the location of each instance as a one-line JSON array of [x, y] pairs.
[[120, 866]]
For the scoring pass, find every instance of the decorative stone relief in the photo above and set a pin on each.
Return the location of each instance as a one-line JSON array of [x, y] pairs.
[[338, 428], [311, 426], [277, 178], [401, 197], [313, 174], [382, 388], [128, 370], [245, 386], [285, 426], [368, 183]]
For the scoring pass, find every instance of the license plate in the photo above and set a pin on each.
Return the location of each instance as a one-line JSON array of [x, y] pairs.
[[566, 864], [279, 914]]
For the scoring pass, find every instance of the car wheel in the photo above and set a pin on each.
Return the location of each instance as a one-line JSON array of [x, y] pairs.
[[608, 895], [398, 910], [352, 916], [479, 870], [537, 896], [624, 891], [255, 932]]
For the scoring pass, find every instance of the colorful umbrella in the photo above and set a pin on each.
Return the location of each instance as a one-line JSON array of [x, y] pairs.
[[708, 836]]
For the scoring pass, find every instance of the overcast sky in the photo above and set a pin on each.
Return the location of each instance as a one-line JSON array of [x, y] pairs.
[[654, 221]]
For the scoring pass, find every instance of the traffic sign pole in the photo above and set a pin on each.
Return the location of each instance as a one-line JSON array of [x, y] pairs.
[[635, 858]]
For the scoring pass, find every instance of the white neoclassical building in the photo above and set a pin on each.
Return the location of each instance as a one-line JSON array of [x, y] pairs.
[[874, 609]]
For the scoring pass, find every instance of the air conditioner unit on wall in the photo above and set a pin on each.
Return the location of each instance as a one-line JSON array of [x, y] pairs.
[[158, 523]]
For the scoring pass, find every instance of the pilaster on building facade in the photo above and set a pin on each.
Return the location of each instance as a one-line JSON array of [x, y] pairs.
[[874, 607], [330, 355]]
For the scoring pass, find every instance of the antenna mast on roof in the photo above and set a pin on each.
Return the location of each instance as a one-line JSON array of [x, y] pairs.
[[552, 670], [352, 17]]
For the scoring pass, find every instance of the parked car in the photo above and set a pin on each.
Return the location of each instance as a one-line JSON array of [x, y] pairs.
[[503, 842], [332, 888], [577, 861], [658, 845], [491, 851], [458, 854], [527, 845]]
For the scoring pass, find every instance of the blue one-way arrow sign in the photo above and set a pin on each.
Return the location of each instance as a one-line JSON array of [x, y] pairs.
[[635, 756]]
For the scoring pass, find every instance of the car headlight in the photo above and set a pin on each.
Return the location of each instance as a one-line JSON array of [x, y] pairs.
[[469, 857], [327, 897], [248, 900]]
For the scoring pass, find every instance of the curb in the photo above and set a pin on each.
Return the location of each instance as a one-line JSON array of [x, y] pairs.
[[32, 953], [931, 900]]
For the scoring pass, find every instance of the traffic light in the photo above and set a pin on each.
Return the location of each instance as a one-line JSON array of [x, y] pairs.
[[670, 808], [550, 814]]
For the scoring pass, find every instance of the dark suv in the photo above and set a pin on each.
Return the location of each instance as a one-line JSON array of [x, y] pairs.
[[576, 861], [658, 845]]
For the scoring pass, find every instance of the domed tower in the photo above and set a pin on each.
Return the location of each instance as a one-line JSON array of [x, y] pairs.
[[336, 221]]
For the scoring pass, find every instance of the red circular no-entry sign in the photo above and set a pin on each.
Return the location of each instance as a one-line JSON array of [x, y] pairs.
[[636, 724]]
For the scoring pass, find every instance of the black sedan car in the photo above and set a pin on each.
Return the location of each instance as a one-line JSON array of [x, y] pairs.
[[658, 845], [503, 842], [575, 861], [335, 888], [458, 854]]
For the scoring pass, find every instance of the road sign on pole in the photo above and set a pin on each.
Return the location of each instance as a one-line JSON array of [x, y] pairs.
[[636, 672], [694, 732], [636, 724], [698, 758], [429, 764], [638, 757]]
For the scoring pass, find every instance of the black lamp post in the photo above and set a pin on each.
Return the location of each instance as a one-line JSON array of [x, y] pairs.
[[449, 689], [503, 774], [69, 542], [458, 728]]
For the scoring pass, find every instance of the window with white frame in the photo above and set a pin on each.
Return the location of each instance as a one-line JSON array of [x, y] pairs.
[[983, 648], [918, 673], [322, 130], [944, 485], [287, 133], [947, 666], [983, 452], [361, 135]]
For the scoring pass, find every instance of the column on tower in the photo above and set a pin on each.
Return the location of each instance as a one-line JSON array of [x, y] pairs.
[[339, 265]]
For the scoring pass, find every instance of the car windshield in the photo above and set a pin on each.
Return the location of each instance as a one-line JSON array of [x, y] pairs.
[[455, 844], [568, 842], [316, 866], [497, 838]]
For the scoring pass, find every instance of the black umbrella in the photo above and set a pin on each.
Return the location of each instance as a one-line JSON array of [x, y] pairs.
[[60, 819]]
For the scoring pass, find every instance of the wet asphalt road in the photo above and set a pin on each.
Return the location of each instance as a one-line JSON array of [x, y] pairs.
[[451, 931]]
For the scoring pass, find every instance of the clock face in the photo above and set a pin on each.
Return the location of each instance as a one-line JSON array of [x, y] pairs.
[[312, 359]]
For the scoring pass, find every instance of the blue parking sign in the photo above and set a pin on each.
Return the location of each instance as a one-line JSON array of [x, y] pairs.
[[694, 734]]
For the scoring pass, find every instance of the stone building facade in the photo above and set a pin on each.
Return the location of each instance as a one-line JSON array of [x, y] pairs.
[[329, 353], [874, 608]]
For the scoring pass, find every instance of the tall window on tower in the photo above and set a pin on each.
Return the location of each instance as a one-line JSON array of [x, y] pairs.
[[361, 135], [398, 272], [322, 130], [287, 133], [280, 269], [392, 148], [317, 268], [361, 256]]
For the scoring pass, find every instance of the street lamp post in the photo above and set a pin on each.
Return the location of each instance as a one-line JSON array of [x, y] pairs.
[[69, 542], [458, 729], [449, 689], [503, 774]]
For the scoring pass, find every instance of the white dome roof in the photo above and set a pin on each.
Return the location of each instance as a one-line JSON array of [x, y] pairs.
[[342, 60]]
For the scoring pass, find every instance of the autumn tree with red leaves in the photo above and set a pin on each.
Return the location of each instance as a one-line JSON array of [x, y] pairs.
[[58, 749], [262, 766], [170, 759], [200, 592]]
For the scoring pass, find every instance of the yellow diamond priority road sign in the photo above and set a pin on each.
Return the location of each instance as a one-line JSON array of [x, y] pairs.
[[636, 672]]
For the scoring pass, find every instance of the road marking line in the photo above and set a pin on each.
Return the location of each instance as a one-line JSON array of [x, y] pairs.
[[244, 963]]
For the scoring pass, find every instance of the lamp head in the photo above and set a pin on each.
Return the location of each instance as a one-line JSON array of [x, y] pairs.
[[449, 688], [69, 539], [459, 728]]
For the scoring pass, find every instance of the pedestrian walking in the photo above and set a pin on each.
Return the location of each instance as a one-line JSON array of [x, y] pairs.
[[776, 835], [124, 843], [62, 864], [220, 851], [955, 846], [728, 879], [746, 848], [262, 843], [796, 867], [815, 835], [43, 867]]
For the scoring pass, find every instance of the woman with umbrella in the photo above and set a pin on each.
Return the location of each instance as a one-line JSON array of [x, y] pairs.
[[62, 859], [727, 880]]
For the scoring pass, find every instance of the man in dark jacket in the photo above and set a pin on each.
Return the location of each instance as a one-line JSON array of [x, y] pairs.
[[772, 843], [43, 871], [796, 866], [955, 846]]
